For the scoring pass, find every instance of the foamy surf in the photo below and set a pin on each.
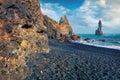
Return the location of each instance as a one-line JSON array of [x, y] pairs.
[[97, 44]]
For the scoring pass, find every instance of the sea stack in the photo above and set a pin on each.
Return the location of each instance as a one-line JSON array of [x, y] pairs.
[[99, 30]]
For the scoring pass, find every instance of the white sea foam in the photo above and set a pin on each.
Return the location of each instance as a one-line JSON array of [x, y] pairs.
[[118, 42], [113, 47], [96, 43]]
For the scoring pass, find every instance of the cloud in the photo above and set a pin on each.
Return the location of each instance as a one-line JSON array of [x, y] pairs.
[[92, 11], [50, 13], [84, 19], [55, 11], [111, 16], [102, 3]]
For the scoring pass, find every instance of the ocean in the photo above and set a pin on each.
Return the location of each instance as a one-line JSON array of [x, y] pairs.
[[106, 40]]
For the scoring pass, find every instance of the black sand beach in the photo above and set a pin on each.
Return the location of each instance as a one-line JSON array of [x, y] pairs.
[[72, 61]]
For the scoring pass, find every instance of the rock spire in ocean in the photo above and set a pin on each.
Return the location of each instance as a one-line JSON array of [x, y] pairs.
[[99, 30]]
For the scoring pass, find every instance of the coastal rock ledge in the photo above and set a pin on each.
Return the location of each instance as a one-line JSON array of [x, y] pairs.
[[22, 33]]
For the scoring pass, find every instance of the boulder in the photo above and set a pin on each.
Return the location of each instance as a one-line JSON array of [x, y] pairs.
[[75, 37], [87, 40], [68, 39], [103, 40]]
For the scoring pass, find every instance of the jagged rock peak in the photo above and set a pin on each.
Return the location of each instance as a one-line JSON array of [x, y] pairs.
[[99, 30], [66, 20], [63, 20], [62, 31]]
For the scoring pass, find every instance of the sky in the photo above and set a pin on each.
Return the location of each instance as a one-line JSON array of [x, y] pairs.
[[83, 15]]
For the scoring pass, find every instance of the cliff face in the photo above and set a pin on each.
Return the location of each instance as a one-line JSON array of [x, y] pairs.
[[99, 30], [62, 31], [52, 27], [21, 33]]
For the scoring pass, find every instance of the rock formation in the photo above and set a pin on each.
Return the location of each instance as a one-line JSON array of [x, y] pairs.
[[22, 33], [62, 31], [99, 30], [52, 27], [65, 28], [63, 20], [75, 37]]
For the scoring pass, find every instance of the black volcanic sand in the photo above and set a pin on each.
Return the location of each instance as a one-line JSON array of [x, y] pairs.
[[71, 61]]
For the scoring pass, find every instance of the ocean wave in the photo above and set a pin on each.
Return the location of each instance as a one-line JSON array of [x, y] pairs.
[[113, 47], [118, 42], [97, 44]]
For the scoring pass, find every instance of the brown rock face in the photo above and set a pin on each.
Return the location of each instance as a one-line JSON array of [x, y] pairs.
[[62, 31], [65, 28], [52, 27], [63, 20], [21, 33]]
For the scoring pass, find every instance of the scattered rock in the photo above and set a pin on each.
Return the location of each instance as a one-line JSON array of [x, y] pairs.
[[68, 39], [75, 37], [68, 61], [103, 40], [87, 40]]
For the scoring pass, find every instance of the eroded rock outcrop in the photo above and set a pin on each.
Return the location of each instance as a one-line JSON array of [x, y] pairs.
[[21, 33], [65, 28], [52, 27], [99, 30], [60, 31]]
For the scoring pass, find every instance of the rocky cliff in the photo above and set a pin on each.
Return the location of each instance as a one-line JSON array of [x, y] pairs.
[[65, 28], [60, 31], [52, 27], [99, 30], [22, 33]]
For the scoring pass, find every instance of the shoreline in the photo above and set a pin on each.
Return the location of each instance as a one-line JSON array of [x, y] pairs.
[[98, 45], [73, 61], [106, 40], [97, 48]]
